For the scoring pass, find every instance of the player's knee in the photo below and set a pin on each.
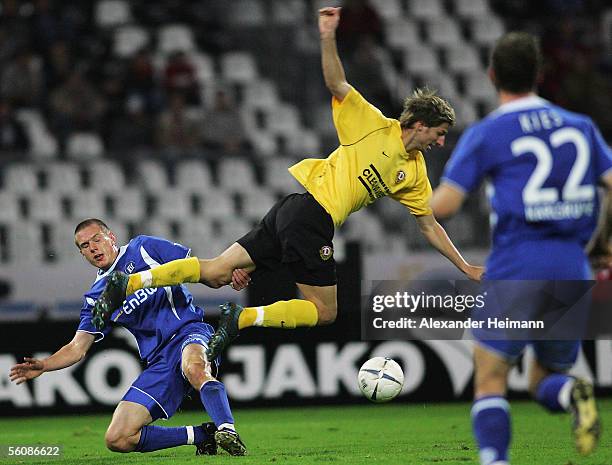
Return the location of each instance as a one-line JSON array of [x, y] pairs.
[[327, 314], [116, 441], [196, 372]]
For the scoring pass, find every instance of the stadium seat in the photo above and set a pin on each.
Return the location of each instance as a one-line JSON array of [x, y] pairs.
[[111, 13], [21, 178], [238, 67], [236, 175], [62, 177], [128, 40], [204, 68], [128, 204], [445, 85], [216, 204], [195, 231], [388, 9], [486, 30], [472, 8], [175, 38], [233, 228], [261, 93], [84, 146], [42, 143], [9, 207], [87, 204], [246, 13], [462, 58], [443, 31], [284, 120], [426, 9], [466, 112], [264, 143], [401, 32], [256, 203], [152, 175], [24, 240], [47, 207], [105, 176], [366, 228], [172, 204], [159, 228], [421, 60], [479, 89], [62, 244], [278, 177], [288, 12], [193, 176]]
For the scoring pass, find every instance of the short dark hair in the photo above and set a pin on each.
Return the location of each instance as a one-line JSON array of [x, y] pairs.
[[516, 61], [88, 222], [427, 106]]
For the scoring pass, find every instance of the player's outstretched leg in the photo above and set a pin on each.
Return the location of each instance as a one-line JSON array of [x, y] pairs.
[[586, 424], [226, 331], [209, 445], [111, 298]]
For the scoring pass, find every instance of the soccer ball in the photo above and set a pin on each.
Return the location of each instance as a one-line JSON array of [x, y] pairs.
[[380, 379]]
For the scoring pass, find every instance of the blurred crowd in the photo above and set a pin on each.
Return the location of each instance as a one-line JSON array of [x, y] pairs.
[[56, 59]]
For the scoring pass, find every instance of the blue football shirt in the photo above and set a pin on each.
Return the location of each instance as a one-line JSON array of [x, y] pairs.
[[153, 315], [543, 163]]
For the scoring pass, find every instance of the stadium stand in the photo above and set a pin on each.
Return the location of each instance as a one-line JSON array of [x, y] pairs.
[[265, 56]]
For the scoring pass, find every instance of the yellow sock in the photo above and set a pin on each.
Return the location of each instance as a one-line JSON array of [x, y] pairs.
[[185, 270], [287, 314]]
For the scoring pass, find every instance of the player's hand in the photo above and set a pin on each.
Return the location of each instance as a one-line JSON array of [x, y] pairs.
[[329, 18], [30, 368], [475, 272], [240, 279]]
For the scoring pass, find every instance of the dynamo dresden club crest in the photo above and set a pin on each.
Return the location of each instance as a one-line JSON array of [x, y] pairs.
[[326, 252], [400, 177]]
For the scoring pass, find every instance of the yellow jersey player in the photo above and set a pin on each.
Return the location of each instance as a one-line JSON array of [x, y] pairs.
[[377, 157]]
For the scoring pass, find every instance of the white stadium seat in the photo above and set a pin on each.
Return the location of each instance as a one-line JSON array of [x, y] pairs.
[[105, 176], [236, 175], [84, 146], [401, 33], [21, 178], [443, 31], [152, 175], [175, 38], [426, 9], [486, 30], [193, 176], [238, 67], [128, 40], [110, 13], [462, 58], [63, 177], [129, 204]]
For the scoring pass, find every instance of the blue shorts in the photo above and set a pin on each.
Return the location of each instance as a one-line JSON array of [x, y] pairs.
[[554, 355], [161, 387], [529, 262]]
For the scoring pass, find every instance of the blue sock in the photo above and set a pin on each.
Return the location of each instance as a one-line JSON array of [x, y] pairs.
[[491, 425], [159, 437], [554, 392], [214, 399]]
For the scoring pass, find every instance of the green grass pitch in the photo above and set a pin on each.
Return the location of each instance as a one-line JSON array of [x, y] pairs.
[[395, 433]]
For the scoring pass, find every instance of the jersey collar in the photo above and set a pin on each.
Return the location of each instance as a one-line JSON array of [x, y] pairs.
[[102, 274], [531, 101]]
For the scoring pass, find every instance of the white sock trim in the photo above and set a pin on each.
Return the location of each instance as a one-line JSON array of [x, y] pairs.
[[146, 277], [190, 434], [229, 426], [565, 393], [260, 316]]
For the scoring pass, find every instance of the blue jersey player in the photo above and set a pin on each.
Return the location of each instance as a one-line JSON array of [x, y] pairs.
[[544, 164], [172, 338]]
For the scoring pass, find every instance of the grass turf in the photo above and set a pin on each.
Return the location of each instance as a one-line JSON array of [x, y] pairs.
[[366, 434]]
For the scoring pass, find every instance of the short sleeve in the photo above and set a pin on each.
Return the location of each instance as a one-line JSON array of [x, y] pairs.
[[355, 118], [418, 197], [464, 169], [85, 323]]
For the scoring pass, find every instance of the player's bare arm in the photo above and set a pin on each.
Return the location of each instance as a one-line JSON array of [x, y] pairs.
[[437, 237], [446, 200], [68, 355], [333, 72]]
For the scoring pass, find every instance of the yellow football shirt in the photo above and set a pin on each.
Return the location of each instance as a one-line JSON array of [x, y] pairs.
[[371, 162]]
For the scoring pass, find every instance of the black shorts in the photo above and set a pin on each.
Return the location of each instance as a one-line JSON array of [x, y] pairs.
[[297, 232]]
